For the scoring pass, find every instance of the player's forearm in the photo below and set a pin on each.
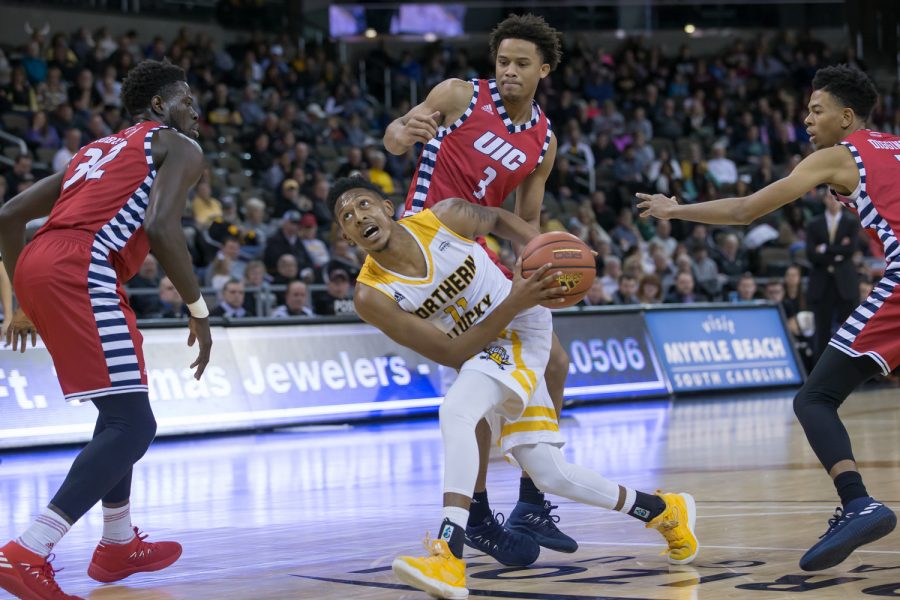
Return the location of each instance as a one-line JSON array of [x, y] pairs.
[[170, 248], [513, 228], [727, 211], [392, 141], [12, 241], [6, 301]]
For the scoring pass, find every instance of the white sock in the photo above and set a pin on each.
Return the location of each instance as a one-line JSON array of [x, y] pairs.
[[44, 533], [458, 516], [117, 525], [630, 497]]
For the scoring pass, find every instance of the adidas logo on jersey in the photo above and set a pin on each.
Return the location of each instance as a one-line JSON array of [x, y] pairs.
[[487, 108]]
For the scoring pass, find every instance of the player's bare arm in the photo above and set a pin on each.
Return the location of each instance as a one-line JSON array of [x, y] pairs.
[[377, 309], [530, 194], [444, 105], [34, 203], [832, 166], [181, 163], [471, 221]]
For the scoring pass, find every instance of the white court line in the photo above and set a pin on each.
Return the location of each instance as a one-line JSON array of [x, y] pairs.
[[729, 547]]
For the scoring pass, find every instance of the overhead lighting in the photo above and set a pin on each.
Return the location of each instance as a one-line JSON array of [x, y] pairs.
[[689, 29], [371, 33], [430, 37]]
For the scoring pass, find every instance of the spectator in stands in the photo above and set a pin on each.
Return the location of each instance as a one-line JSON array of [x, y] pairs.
[[746, 289], [625, 234], [71, 144], [42, 134], [729, 256], [255, 223], [377, 174], [21, 172], [315, 248], [578, 151], [639, 123], [604, 215], [596, 295], [549, 222], [353, 164], [295, 302], [612, 270], [205, 207], [147, 278], [287, 271], [604, 150], [258, 300], [231, 301], [220, 110], [291, 199], [83, 96], [21, 95], [337, 298], [706, 272], [627, 292], [794, 296], [343, 254], [649, 290], [683, 293], [171, 304], [721, 168], [663, 237], [287, 241], [53, 92]]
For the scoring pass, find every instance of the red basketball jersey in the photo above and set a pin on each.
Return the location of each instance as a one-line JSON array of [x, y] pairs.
[[105, 193], [482, 157], [877, 197]]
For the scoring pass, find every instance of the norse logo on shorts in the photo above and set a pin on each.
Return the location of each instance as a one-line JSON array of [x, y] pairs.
[[398, 297], [569, 280], [498, 354]]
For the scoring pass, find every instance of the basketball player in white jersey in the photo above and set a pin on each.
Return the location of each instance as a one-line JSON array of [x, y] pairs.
[[429, 286]]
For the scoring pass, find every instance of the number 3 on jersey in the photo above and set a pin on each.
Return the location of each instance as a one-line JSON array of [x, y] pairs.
[[89, 168], [489, 175]]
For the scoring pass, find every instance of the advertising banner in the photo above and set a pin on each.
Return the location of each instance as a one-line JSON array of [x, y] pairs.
[[723, 348], [610, 356]]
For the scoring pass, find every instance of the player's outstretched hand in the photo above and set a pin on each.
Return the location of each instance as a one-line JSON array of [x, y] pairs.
[[200, 333], [421, 128], [541, 286], [18, 331], [657, 205]]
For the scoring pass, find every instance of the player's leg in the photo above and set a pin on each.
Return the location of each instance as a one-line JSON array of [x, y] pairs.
[[469, 399], [533, 514], [861, 519], [484, 530], [125, 429], [673, 515]]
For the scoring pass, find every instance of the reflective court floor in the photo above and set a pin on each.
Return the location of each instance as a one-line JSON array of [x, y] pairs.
[[319, 513]]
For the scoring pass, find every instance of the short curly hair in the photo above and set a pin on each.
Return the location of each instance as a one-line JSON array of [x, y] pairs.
[[850, 86], [149, 78], [345, 184], [531, 28]]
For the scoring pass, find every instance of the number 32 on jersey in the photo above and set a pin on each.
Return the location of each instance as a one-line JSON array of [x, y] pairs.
[[93, 161]]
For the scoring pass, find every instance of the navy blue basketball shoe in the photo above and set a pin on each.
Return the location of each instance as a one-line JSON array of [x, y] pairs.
[[507, 547], [863, 521], [536, 521]]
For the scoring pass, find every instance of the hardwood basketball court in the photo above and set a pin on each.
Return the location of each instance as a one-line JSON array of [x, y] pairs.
[[319, 513]]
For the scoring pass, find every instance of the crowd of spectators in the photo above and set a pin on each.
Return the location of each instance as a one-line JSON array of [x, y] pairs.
[[281, 121]]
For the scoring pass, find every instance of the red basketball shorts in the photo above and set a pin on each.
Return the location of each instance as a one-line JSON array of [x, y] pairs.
[[69, 290], [873, 329]]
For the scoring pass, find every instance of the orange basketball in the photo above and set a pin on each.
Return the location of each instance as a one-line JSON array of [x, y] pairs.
[[567, 254]]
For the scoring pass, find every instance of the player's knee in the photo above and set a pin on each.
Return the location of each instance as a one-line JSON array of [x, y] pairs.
[[144, 431]]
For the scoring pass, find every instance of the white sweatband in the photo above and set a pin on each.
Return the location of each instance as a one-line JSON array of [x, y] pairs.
[[198, 309]]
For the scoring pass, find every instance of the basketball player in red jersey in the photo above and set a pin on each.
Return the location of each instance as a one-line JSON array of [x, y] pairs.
[[862, 167], [119, 196], [482, 140]]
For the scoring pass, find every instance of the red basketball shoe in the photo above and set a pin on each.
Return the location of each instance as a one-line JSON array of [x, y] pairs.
[[29, 576], [112, 562]]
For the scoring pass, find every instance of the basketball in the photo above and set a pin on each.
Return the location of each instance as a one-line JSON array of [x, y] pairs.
[[566, 253]]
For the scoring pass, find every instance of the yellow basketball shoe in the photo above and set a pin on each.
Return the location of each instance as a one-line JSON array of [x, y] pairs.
[[676, 524], [440, 574]]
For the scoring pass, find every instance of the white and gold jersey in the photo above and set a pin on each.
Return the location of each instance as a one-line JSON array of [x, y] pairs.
[[461, 285]]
